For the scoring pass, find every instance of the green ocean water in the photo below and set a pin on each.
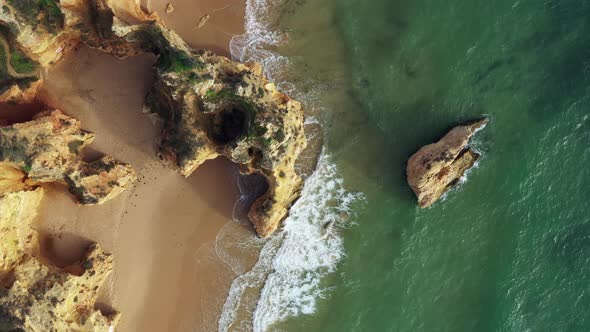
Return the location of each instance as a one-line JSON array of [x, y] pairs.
[[509, 249]]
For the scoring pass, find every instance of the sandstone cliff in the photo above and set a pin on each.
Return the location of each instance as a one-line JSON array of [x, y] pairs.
[[48, 149], [36, 296], [436, 168], [36, 34], [208, 105], [211, 106]]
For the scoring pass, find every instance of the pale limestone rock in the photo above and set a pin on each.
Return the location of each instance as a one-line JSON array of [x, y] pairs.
[[41, 32], [211, 106], [435, 168], [48, 150]]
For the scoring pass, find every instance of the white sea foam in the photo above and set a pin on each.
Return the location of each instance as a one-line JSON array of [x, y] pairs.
[[286, 279], [293, 261], [253, 45]]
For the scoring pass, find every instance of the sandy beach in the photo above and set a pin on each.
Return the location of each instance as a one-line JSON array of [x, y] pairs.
[[208, 24], [162, 232]]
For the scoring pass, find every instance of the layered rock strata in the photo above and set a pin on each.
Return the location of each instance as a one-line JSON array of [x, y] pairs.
[[437, 167]]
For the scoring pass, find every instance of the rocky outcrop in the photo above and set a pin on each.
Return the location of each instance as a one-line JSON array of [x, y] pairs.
[[34, 294], [211, 106], [47, 149], [36, 34], [208, 105], [436, 168]]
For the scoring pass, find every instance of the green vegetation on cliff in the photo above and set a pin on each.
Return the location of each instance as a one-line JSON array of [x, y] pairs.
[[40, 12], [19, 63]]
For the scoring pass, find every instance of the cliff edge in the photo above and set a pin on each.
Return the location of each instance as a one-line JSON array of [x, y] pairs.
[[211, 106], [47, 149], [36, 295]]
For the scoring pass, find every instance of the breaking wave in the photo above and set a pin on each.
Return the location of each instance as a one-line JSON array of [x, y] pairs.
[[286, 279]]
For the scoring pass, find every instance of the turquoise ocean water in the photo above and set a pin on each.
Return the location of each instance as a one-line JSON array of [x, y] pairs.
[[509, 249]]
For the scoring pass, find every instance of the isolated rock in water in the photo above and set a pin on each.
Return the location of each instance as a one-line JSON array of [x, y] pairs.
[[36, 296], [47, 149], [435, 168], [211, 106]]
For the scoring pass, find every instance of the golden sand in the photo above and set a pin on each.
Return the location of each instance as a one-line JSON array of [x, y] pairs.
[[206, 24], [162, 232]]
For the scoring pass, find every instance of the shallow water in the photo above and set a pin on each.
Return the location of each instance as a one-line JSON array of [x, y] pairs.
[[507, 250]]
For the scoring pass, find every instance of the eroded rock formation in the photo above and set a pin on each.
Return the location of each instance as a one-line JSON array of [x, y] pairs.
[[211, 106], [34, 294], [48, 149], [436, 168], [36, 34]]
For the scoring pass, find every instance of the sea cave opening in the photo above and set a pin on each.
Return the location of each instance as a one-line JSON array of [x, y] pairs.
[[227, 126]]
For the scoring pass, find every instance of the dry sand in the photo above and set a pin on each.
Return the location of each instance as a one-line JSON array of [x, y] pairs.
[[167, 233], [220, 21]]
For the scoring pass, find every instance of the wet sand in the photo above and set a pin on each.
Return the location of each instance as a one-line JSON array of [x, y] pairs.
[[164, 231]]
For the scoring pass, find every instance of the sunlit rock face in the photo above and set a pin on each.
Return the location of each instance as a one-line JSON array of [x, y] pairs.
[[208, 106], [211, 106], [36, 34], [48, 149], [36, 295], [437, 167]]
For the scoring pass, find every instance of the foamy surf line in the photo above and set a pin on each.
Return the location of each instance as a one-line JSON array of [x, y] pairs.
[[293, 262], [286, 280]]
